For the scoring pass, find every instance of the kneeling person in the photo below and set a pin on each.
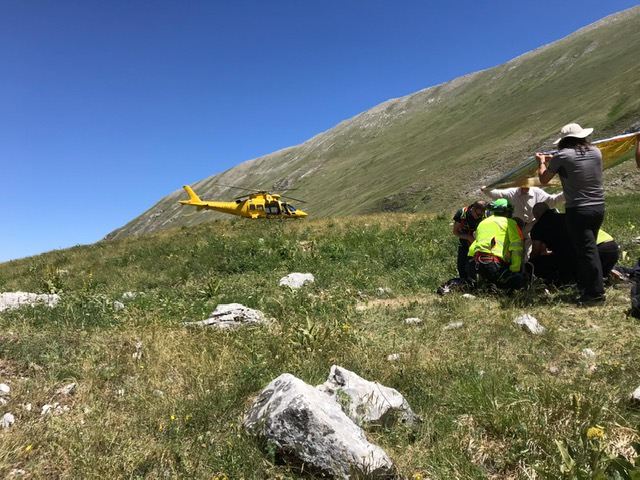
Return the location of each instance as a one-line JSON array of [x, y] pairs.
[[497, 249]]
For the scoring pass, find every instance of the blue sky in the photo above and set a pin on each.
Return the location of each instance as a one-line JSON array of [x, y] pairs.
[[108, 106]]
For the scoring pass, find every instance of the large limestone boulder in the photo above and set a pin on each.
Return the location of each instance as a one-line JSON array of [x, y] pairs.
[[308, 426], [367, 402]]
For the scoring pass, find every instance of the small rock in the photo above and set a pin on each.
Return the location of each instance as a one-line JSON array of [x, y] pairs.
[[553, 370], [394, 356], [7, 421], [4, 389], [67, 389], [413, 321], [635, 396], [296, 280], [361, 309], [454, 326], [588, 353], [158, 393], [468, 296], [118, 306], [383, 291], [528, 322]]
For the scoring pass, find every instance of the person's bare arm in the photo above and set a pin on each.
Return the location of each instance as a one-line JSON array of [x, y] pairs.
[[544, 175], [464, 236]]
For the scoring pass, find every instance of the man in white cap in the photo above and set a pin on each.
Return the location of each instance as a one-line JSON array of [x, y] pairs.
[[579, 165]]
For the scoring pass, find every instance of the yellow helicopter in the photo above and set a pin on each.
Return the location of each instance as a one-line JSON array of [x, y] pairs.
[[258, 204]]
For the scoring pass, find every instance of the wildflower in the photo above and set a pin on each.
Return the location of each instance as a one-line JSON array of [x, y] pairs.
[[417, 476], [187, 417], [173, 417], [346, 327], [28, 447], [141, 366], [595, 433]]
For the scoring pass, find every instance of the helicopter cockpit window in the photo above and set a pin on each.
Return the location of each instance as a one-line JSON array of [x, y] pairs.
[[252, 207], [291, 208]]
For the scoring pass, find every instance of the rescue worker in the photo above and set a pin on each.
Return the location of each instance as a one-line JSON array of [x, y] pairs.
[[497, 249], [465, 222]]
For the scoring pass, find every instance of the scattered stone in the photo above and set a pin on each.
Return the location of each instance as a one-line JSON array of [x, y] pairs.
[[367, 402], [158, 393], [67, 389], [55, 409], [307, 426], [118, 306], [553, 370], [361, 309], [454, 326], [7, 421], [137, 355], [4, 389], [528, 322], [12, 300], [635, 396], [27, 407], [129, 295], [296, 280], [413, 321], [394, 356], [383, 291], [230, 315], [468, 296], [120, 392], [588, 353]]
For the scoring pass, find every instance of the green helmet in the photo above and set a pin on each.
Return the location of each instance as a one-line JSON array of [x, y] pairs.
[[502, 207]]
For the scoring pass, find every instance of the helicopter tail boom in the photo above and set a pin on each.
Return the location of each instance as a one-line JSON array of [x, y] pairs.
[[193, 198]]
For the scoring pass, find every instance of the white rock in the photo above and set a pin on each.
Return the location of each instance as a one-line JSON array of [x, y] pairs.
[[468, 296], [7, 421], [129, 295], [67, 389], [368, 402], [635, 396], [528, 322], [588, 353], [394, 356], [12, 300], [117, 306], [296, 280], [361, 309], [413, 321], [4, 389], [231, 315], [454, 326], [309, 425]]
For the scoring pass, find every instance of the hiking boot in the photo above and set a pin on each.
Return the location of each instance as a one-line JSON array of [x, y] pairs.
[[590, 300]]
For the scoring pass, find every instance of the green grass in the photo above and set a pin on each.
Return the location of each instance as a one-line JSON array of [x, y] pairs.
[[496, 402]]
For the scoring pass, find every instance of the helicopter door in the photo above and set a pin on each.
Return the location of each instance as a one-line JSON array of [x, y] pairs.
[[272, 208]]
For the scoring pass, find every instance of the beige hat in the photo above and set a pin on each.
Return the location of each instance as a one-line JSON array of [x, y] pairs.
[[573, 130]]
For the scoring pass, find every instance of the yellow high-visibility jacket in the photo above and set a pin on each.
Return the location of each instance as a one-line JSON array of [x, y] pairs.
[[499, 236]]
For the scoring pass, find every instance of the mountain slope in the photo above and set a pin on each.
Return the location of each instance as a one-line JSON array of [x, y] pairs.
[[429, 150]]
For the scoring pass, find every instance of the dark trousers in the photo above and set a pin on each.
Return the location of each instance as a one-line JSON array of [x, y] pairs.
[[498, 274], [463, 261], [584, 223], [609, 253], [557, 269]]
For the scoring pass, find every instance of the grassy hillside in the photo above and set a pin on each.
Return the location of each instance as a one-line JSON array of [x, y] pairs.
[[496, 402], [425, 151]]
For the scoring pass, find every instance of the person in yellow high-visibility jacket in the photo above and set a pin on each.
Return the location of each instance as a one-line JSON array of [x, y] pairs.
[[497, 249]]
